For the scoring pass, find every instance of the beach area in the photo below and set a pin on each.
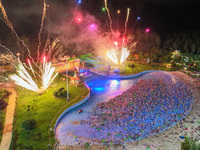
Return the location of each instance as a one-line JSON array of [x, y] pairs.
[[166, 140]]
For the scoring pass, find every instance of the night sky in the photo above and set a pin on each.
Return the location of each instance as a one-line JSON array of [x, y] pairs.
[[161, 16]]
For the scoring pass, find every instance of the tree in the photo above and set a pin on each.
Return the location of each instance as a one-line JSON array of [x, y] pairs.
[[198, 50], [192, 48], [185, 46], [145, 41], [29, 124], [148, 45], [154, 54], [3, 104], [186, 41], [190, 145], [140, 55], [174, 45], [166, 58]]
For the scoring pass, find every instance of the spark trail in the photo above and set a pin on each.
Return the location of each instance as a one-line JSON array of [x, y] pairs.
[[8, 50], [112, 55], [5, 16], [72, 19], [79, 43], [138, 18], [9, 24], [48, 41], [31, 67], [107, 26], [67, 34], [47, 73], [41, 27], [56, 48], [124, 55], [109, 17], [24, 79], [127, 17]]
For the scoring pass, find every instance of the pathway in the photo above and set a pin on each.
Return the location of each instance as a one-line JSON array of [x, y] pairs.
[[7, 132]]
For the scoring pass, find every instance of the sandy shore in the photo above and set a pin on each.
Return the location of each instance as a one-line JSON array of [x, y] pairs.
[[169, 139]]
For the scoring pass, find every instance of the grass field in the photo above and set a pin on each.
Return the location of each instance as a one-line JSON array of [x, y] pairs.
[[43, 108], [46, 108], [138, 67]]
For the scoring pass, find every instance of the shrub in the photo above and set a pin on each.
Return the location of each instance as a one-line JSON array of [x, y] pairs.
[[87, 145], [28, 107], [190, 145], [64, 93], [131, 65], [60, 93], [3, 104], [60, 89], [4, 93], [29, 124], [190, 68], [55, 94], [1, 126], [198, 68], [71, 73]]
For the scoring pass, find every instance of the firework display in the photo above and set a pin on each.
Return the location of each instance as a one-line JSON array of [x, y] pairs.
[[114, 54], [25, 80], [28, 76], [46, 73]]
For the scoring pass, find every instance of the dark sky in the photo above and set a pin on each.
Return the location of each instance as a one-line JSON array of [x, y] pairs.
[[162, 16], [169, 17]]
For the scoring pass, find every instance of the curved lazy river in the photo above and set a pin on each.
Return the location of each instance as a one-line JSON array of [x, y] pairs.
[[154, 103]]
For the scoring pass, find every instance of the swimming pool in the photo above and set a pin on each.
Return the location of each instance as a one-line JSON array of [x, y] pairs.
[[70, 130]]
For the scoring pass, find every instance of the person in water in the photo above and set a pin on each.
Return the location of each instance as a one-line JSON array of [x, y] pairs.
[[80, 111]]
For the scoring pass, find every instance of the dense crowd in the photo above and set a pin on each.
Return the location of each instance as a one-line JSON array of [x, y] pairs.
[[148, 107]]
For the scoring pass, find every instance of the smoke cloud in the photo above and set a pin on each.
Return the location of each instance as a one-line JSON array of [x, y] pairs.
[[81, 33]]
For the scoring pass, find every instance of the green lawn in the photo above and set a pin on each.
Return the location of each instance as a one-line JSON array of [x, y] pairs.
[[139, 67], [46, 108], [43, 108]]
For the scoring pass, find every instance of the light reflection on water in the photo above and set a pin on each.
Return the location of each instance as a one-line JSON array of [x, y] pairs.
[[103, 89]]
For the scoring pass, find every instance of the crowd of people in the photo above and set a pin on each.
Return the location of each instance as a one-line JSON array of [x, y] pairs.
[[148, 107]]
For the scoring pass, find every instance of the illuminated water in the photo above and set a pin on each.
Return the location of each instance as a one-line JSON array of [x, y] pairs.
[[71, 132]]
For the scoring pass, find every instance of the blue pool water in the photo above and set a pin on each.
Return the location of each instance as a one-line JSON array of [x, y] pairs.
[[69, 130]]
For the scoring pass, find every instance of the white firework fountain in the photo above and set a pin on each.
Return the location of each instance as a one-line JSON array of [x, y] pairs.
[[25, 80], [114, 53]]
